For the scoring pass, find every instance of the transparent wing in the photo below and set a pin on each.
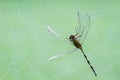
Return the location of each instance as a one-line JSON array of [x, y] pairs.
[[78, 29], [59, 55], [57, 35], [52, 31], [86, 28], [83, 31]]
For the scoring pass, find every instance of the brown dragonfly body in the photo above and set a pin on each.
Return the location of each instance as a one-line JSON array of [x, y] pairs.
[[76, 43]]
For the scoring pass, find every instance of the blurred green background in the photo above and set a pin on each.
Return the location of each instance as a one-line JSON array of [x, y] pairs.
[[26, 45]]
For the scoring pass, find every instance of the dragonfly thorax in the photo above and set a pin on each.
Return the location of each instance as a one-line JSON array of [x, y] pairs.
[[74, 40]]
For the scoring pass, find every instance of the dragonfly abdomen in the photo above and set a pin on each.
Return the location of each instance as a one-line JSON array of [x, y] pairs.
[[76, 44]]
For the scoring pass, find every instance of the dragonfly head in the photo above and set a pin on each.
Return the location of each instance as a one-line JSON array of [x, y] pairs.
[[71, 37]]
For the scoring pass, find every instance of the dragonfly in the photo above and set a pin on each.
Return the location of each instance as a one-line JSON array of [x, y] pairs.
[[76, 39]]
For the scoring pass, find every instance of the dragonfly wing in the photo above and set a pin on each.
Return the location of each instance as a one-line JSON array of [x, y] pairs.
[[57, 35], [78, 29], [52, 31], [82, 32], [86, 28], [59, 55]]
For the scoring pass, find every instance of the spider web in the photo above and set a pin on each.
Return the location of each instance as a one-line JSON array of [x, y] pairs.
[[31, 59], [13, 66]]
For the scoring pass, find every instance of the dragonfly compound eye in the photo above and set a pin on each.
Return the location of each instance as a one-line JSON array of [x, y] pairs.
[[71, 37]]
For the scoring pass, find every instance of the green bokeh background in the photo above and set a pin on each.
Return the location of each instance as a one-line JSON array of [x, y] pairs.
[[26, 45]]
